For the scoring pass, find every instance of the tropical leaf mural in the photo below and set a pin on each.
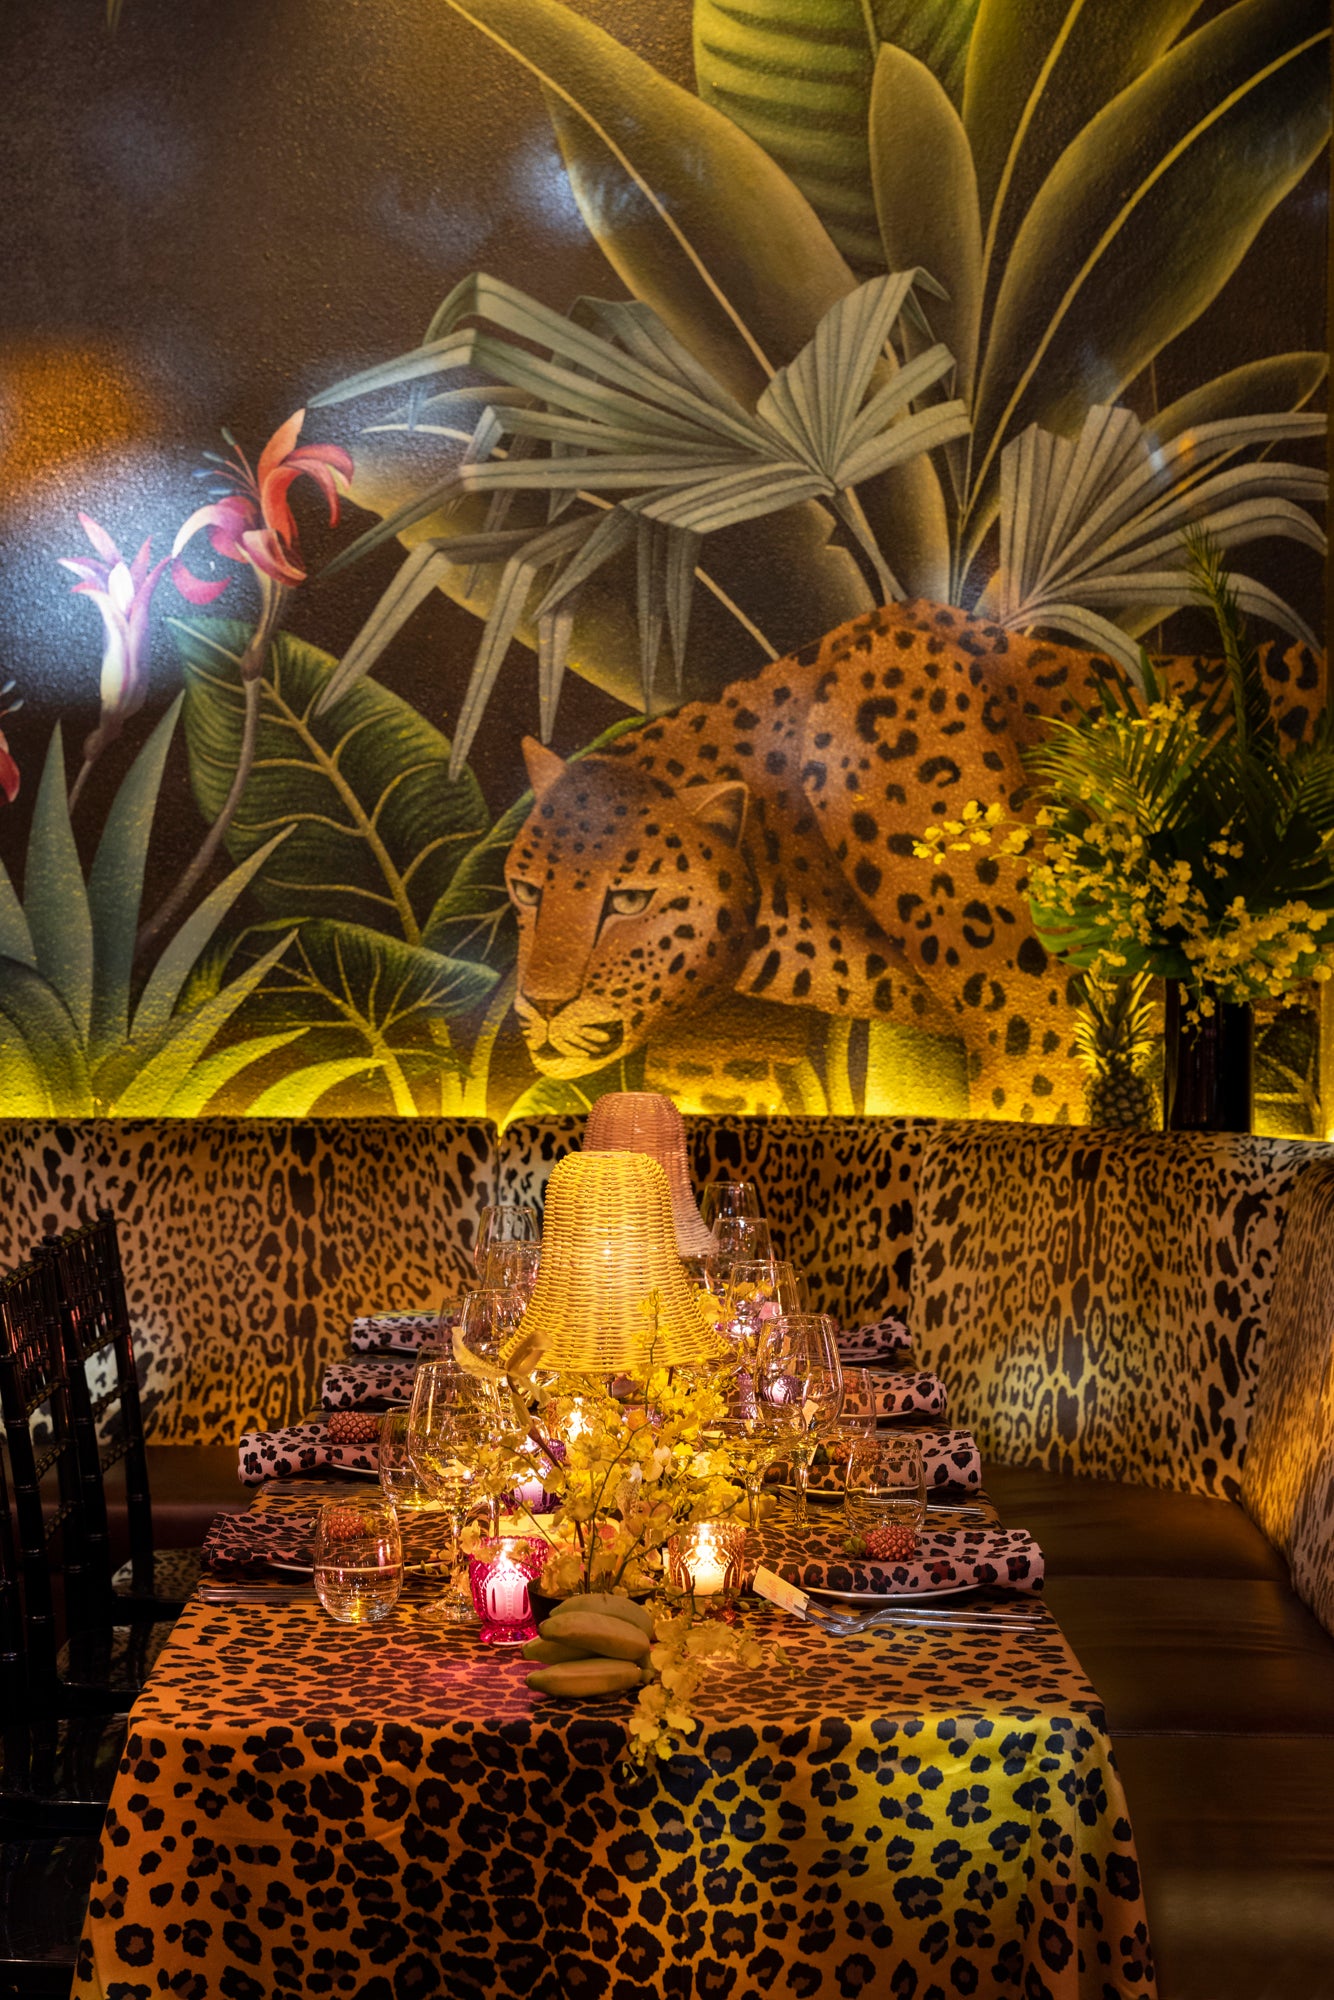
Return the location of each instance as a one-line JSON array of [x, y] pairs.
[[857, 303]]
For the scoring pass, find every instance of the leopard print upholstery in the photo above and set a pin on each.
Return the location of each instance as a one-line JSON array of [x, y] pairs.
[[306, 1807], [838, 1192], [249, 1244], [1287, 1481], [1097, 1300]]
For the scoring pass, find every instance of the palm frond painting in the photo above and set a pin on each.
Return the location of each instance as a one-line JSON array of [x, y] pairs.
[[834, 481]]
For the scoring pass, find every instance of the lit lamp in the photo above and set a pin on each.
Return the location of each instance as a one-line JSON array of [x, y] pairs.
[[612, 1295], [643, 1121]]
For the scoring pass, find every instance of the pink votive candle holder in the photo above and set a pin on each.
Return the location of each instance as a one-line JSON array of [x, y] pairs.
[[499, 1575]]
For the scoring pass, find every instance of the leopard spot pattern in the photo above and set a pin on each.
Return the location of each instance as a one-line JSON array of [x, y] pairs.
[[250, 1244], [1288, 1477], [1098, 1300]]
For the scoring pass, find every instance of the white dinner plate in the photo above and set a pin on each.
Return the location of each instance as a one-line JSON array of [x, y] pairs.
[[289, 1568], [890, 1596]]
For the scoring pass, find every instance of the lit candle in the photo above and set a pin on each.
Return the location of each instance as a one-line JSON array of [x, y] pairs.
[[530, 1495], [506, 1593], [706, 1563]]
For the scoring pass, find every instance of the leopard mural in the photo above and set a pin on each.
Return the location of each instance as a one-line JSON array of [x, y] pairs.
[[760, 846]]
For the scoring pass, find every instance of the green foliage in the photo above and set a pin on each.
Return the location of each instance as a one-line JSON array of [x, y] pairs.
[[75, 1038], [628, 412], [1189, 843], [1091, 526], [364, 1007], [376, 823], [798, 81], [1080, 189]]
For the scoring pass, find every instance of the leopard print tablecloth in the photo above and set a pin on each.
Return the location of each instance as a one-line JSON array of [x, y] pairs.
[[307, 1807]]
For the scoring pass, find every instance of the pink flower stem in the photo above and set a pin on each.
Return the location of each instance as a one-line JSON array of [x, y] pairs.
[[252, 684]]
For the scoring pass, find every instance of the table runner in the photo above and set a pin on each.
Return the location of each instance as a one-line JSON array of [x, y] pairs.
[[389, 1810]]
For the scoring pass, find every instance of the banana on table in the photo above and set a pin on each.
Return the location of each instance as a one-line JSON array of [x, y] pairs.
[[596, 1644]]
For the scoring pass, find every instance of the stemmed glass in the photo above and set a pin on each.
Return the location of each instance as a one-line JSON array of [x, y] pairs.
[[755, 1292], [751, 1444], [504, 1222], [487, 1319], [728, 1198], [799, 1389], [510, 1267], [448, 1424]]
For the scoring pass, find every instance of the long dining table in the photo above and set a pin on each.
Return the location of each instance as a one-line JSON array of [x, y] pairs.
[[307, 1807]]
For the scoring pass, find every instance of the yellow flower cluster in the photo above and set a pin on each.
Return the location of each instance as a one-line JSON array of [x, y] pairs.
[[1110, 893], [683, 1653]]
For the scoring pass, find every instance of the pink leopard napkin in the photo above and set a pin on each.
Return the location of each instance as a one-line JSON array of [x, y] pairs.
[[357, 1385], [864, 1346], [898, 1393], [950, 1458], [399, 1332], [301, 1448], [943, 1559]]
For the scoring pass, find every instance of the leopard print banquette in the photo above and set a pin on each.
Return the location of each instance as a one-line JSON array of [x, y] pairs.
[[249, 1244], [837, 1192], [1287, 1481], [1098, 1300]]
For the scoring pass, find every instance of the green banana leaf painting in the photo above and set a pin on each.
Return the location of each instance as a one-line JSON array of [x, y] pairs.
[[886, 314]]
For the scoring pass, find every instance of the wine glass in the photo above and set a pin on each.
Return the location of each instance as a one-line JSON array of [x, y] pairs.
[[398, 1477], [751, 1445], [504, 1222], [754, 1292], [448, 1424], [488, 1318], [358, 1560], [885, 1483], [728, 1198], [510, 1267], [799, 1389]]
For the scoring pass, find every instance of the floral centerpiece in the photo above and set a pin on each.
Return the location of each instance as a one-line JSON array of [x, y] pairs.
[[1175, 835], [613, 1385]]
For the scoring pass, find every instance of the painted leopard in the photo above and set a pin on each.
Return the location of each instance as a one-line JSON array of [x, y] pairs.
[[760, 845]]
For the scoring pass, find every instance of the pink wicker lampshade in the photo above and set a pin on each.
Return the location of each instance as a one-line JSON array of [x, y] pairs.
[[608, 1246], [643, 1121]]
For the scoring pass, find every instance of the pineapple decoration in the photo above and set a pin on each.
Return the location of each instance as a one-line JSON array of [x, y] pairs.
[[1116, 1034]]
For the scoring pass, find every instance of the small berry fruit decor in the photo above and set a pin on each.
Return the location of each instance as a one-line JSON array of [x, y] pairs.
[[889, 1543], [354, 1427]]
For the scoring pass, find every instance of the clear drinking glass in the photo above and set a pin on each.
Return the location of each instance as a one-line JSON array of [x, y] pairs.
[[487, 1319], [886, 1482], [449, 1422], [755, 1293], [510, 1267], [726, 1198], [752, 1445], [398, 1476], [799, 1388], [358, 1560], [505, 1222]]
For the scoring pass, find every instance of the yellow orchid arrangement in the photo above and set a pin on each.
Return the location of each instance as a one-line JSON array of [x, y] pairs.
[[1174, 838], [632, 1463]]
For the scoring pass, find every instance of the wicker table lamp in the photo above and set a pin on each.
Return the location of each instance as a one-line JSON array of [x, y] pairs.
[[643, 1121], [608, 1242]]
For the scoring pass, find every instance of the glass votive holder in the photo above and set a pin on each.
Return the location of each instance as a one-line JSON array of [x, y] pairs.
[[707, 1561], [500, 1574]]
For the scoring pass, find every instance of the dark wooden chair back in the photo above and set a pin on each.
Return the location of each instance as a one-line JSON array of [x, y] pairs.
[[103, 1384], [48, 1511]]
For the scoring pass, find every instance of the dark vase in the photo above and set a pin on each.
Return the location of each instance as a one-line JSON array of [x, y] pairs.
[[1207, 1066]]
